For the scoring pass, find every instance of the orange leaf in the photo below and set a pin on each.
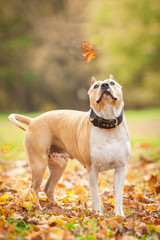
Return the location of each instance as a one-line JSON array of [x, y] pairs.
[[88, 51], [138, 195], [150, 207], [113, 223], [87, 45], [152, 179], [85, 52], [5, 148], [145, 145], [90, 57]]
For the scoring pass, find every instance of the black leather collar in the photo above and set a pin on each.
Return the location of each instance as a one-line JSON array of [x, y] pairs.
[[105, 123]]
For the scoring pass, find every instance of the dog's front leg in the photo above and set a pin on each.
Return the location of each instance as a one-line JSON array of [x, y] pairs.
[[93, 184], [119, 178]]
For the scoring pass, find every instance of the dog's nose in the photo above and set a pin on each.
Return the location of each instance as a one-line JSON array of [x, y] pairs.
[[104, 85]]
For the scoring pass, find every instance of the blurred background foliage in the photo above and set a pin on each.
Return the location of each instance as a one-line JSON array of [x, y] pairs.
[[41, 67]]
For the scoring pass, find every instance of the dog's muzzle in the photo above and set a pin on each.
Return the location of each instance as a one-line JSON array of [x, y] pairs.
[[105, 89]]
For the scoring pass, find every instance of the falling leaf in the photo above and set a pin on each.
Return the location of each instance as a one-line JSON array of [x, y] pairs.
[[88, 52], [5, 148]]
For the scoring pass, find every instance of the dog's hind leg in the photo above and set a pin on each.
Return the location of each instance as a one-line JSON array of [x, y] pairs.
[[57, 165], [37, 177], [38, 160]]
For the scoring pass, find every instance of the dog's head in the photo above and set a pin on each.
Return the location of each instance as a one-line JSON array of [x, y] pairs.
[[105, 93]]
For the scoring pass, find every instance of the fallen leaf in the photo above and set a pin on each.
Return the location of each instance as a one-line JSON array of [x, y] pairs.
[[152, 179], [128, 188], [71, 193], [57, 220], [157, 188], [145, 145], [145, 159], [155, 228], [113, 223], [27, 204], [5, 148], [150, 207], [17, 216], [141, 204], [36, 221], [111, 201], [1, 225], [4, 197], [145, 199]]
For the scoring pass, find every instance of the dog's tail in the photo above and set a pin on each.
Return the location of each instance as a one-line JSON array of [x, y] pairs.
[[17, 117]]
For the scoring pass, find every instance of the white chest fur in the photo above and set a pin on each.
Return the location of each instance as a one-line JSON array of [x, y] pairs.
[[110, 148]]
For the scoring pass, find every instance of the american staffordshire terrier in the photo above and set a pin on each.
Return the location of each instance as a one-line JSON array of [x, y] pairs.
[[98, 139]]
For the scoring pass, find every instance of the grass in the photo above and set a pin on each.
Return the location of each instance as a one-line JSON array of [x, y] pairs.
[[144, 125], [12, 136], [142, 114]]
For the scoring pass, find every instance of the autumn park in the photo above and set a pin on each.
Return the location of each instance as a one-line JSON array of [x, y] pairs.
[[49, 53]]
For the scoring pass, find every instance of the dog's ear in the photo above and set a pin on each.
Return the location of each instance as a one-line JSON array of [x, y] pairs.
[[93, 80], [111, 77]]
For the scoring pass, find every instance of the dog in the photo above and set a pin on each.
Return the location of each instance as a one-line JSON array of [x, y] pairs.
[[98, 139]]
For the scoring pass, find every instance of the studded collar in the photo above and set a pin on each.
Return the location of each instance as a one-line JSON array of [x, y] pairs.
[[105, 123]]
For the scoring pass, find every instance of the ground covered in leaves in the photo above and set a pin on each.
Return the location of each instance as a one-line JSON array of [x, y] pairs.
[[72, 217]]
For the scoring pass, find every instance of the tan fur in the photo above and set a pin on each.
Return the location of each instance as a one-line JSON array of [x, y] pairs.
[[14, 117], [94, 95], [67, 131]]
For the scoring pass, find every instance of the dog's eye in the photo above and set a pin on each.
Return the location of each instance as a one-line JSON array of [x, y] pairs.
[[96, 86], [112, 83]]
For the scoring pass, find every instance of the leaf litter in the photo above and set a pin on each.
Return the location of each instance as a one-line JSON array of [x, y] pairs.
[[72, 216]]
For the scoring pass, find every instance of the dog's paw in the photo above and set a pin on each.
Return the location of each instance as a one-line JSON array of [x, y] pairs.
[[98, 212], [40, 207], [119, 214], [54, 202], [118, 211], [101, 214]]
